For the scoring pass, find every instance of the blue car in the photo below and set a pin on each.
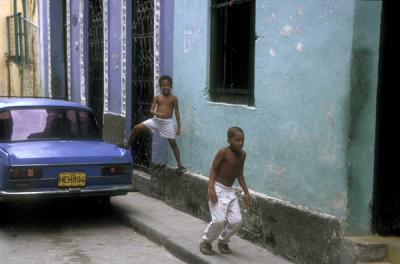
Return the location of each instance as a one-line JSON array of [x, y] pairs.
[[53, 148]]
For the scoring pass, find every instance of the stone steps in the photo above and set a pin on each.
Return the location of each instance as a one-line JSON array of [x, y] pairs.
[[375, 249], [385, 262]]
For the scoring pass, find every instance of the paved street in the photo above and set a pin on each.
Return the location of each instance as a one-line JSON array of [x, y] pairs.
[[133, 229], [181, 233], [74, 232]]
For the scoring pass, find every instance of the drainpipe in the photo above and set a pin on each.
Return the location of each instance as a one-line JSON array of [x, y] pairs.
[[25, 33], [8, 58], [21, 61], [9, 76], [15, 33]]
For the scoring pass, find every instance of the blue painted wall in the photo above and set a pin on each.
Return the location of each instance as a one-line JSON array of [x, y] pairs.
[[298, 132]]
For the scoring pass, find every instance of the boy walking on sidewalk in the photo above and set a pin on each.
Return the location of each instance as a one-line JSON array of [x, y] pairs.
[[227, 166]]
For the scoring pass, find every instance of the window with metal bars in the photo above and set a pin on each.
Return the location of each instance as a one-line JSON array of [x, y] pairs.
[[21, 34], [96, 61], [232, 51]]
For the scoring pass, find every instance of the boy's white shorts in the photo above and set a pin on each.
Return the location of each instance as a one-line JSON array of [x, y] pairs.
[[166, 127]]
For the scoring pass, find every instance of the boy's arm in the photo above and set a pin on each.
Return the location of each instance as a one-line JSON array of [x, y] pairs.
[[177, 116], [242, 182], [153, 106], [212, 196]]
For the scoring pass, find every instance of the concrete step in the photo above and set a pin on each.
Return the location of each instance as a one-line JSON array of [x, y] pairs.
[[365, 249], [385, 262], [376, 249]]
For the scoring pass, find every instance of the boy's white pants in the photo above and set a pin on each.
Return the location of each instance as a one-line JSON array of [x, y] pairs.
[[225, 215]]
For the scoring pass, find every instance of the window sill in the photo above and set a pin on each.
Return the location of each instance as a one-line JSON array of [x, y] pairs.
[[243, 106]]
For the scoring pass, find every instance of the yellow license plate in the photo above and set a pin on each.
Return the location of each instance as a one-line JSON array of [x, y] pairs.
[[71, 179]]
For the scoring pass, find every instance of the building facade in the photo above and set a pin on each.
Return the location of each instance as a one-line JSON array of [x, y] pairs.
[[302, 78]]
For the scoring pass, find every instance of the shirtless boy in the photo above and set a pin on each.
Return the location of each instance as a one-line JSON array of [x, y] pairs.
[[227, 166], [162, 109]]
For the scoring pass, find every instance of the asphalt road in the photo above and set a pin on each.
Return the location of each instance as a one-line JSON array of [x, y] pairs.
[[77, 231]]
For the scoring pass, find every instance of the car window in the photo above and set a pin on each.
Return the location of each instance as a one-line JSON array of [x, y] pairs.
[[47, 123], [5, 125]]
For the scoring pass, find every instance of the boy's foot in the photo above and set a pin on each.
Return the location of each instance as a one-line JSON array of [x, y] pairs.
[[206, 248], [181, 169], [224, 248]]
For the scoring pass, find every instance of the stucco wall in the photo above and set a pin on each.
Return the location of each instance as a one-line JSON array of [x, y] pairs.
[[5, 10], [297, 134], [30, 72]]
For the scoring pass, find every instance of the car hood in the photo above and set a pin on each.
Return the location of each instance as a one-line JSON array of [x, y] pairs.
[[65, 152]]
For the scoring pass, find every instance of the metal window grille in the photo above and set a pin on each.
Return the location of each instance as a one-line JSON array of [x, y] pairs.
[[96, 58], [142, 76], [232, 51]]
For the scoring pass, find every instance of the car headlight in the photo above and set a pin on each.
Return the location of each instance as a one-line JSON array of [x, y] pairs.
[[25, 173]]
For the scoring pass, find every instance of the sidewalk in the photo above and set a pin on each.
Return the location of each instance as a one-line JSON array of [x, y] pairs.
[[180, 233]]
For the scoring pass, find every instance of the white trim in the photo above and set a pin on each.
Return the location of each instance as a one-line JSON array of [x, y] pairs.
[[105, 55], [68, 10], [81, 57], [156, 46], [123, 58], [48, 50]]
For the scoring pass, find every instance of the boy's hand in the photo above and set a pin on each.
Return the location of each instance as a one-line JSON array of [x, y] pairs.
[[247, 201], [212, 196], [178, 131], [123, 145]]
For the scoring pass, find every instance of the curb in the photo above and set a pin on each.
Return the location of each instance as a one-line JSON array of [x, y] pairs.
[[151, 233]]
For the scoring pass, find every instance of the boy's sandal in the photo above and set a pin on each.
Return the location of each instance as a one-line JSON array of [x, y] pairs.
[[224, 248], [206, 248]]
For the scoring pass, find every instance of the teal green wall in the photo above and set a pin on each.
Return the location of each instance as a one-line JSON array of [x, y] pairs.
[[297, 134]]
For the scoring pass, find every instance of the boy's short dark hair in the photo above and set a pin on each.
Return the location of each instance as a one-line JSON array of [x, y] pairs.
[[165, 77], [232, 130]]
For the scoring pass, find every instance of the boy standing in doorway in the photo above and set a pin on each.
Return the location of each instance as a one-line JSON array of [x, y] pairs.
[[162, 108]]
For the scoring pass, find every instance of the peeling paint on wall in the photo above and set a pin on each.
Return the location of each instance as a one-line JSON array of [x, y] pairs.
[[187, 41], [272, 52], [300, 47], [300, 11], [272, 18], [276, 169], [287, 31]]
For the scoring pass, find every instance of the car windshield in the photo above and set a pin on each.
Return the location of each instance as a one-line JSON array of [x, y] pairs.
[[47, 123]]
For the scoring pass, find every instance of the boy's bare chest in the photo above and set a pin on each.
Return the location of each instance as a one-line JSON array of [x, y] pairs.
[[232, 162], [167, 101]]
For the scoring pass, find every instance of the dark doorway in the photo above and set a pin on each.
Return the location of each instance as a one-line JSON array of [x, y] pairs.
[[386, 205], [58, 50], [142, 77], [96, 67]]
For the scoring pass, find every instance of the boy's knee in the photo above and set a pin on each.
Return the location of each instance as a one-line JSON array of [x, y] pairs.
[[173, 144], [236, 221], [219, 222]]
